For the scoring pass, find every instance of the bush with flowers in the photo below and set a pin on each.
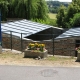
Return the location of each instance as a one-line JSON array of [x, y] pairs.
[[36, 47], [78, 49]]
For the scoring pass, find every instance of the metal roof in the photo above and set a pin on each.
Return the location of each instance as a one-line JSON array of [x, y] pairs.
[[73, 32], [25, 27]]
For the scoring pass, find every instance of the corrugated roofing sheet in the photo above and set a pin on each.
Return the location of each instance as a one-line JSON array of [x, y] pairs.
[[73, 32], [23, 26]]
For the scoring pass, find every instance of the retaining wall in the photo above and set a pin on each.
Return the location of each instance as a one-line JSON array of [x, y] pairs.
[[21, 45], [59, 47], [64, 47]]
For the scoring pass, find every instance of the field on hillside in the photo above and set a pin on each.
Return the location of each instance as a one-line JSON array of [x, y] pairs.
[[52, 16]]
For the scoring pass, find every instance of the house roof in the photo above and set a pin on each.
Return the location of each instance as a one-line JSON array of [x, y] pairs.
[[73, 32], [25, 27]]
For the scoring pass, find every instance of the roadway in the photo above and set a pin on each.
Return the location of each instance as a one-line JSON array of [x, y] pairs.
[[8, 72]]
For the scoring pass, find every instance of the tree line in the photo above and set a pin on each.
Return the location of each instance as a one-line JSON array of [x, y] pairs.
[[37, 10], [54, 5], [28, 9], [69, 17]]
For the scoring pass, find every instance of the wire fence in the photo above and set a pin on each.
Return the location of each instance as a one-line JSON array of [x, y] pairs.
[[54, 47]]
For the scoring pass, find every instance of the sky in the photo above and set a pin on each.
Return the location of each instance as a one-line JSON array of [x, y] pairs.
[[62, 0]]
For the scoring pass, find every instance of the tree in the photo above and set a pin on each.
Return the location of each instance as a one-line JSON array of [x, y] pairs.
[[60, 16], [4, 8], [32, 9], [28, 9], [20, 10], [72, 9], [42, 10], [75, 21]]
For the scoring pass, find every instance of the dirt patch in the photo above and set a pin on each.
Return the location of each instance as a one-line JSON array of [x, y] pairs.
[[9, 57]]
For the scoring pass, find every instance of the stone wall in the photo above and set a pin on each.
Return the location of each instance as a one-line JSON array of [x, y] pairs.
[[21, 45], [64, 47], [59, 47], [11, 44]]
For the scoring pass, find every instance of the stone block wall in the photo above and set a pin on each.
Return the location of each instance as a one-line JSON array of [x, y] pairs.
[[14, 43], [21, 45], [6, 43], [64, 47]]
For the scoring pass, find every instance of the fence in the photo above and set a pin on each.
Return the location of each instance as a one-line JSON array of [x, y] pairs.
[[54, 47]]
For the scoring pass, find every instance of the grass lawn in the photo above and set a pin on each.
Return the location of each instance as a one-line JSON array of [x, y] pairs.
[[52, 16], [60, 58]]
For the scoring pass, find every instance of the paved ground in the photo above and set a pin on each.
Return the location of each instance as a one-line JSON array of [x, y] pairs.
[[39, 73]]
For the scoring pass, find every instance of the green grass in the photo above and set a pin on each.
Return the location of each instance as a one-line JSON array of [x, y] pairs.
[[21, 57], [11, 55], [52, 16], [54, 58]]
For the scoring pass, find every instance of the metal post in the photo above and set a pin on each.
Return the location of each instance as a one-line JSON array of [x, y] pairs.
[[11, 38], [0, 34], [53, 44], [53, 40], [21, 43]]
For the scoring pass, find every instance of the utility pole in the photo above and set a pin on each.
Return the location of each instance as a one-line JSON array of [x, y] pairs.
[[0, 34]]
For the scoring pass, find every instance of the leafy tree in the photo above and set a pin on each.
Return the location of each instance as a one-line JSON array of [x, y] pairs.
[[42, 10], [73, 8], [66, 19], [75, 21], [18, 9], [60, 16], [28, 9], [32, 9], [4, 8]]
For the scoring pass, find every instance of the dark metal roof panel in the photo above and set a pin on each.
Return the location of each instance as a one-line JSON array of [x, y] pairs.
[[73, 32]]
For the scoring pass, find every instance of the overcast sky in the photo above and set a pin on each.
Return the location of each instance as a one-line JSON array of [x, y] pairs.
[[61, 0]]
